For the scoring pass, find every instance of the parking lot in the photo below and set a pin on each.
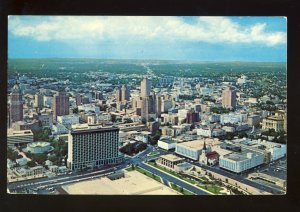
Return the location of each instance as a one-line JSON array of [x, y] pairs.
[[277, 169]]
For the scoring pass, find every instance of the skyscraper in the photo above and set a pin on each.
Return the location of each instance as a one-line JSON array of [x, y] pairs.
[[229, 98], [145, 87], [60, 105], [119, 95], [16, 103], [39, 100], [124, 93], [93, 146], [158, 106]]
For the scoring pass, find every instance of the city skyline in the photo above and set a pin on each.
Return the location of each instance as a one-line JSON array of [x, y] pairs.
[[134, 37]]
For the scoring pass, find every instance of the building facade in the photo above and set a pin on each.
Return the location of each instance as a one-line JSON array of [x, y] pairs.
[[16, 104], [145, 87], [273, 122], [90, 147], [239, 162], [229, 98], [19, 137], [169, 161]]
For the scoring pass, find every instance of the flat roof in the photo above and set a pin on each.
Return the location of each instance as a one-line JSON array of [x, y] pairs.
[[134, 183], [235, 156], [11, 132], [198, 144], [167, 140], [171, 157], [88, 129]]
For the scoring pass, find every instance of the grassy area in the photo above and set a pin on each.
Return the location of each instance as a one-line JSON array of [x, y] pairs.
[[130, 169], [149, 174], [181, 190], [153, 153], [211, 188], [165, 169]]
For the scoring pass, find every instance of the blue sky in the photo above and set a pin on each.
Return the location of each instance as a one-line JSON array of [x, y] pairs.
[[210, 38]]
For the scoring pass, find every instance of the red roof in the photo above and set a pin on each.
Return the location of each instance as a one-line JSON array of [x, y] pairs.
[[212, 154]]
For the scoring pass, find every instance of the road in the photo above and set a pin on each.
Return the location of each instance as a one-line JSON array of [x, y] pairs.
[[57, 181], [174, 180]]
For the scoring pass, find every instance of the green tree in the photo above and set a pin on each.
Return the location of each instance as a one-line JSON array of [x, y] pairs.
[[75, 110], [181, 189], [31, 163], [11, 154]]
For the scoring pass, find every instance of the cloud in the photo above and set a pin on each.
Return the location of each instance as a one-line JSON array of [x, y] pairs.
[[89, 29]]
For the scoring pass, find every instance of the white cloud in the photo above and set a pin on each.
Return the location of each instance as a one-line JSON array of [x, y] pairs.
[[97, 29]]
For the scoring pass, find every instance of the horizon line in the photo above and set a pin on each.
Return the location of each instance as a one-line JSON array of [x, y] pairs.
[[94, 58]]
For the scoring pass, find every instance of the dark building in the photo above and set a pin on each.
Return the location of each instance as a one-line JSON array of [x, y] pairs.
[[192, 117], [16, 104], [60, 105]]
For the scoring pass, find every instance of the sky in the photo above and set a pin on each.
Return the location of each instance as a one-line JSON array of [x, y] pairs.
[[201, 38]]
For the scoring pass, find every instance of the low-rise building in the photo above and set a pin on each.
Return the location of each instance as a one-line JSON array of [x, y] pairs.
[[19, 137], [239, 162], [169, 161], [68, 120], [273, 122], [166, 143], [53, 168], [182, 167], [253, 120], [59, 129], [192, 149]]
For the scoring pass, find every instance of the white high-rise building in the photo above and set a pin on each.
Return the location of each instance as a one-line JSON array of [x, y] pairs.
[[145, 87], [93, 146]]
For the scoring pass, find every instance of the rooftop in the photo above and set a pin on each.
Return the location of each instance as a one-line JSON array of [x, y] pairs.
[[11, 132], [198, 144], [171, 157]]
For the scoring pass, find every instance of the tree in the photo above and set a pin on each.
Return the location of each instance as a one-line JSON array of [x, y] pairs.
[[151, 119], [75, 110], [39, 158], [128, 120], [11, 154], [144, 121], [31, 163], [181, 189]]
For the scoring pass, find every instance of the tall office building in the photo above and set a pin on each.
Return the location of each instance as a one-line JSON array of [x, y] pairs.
[[99, 95], [60, 104], [148, 106], [145, 87], [145, 108], [38, 101], [16, 104], [119, 95], [93, 146], [229, 98], [79, 99], [158, 106], [125, 93], [192, 116]]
